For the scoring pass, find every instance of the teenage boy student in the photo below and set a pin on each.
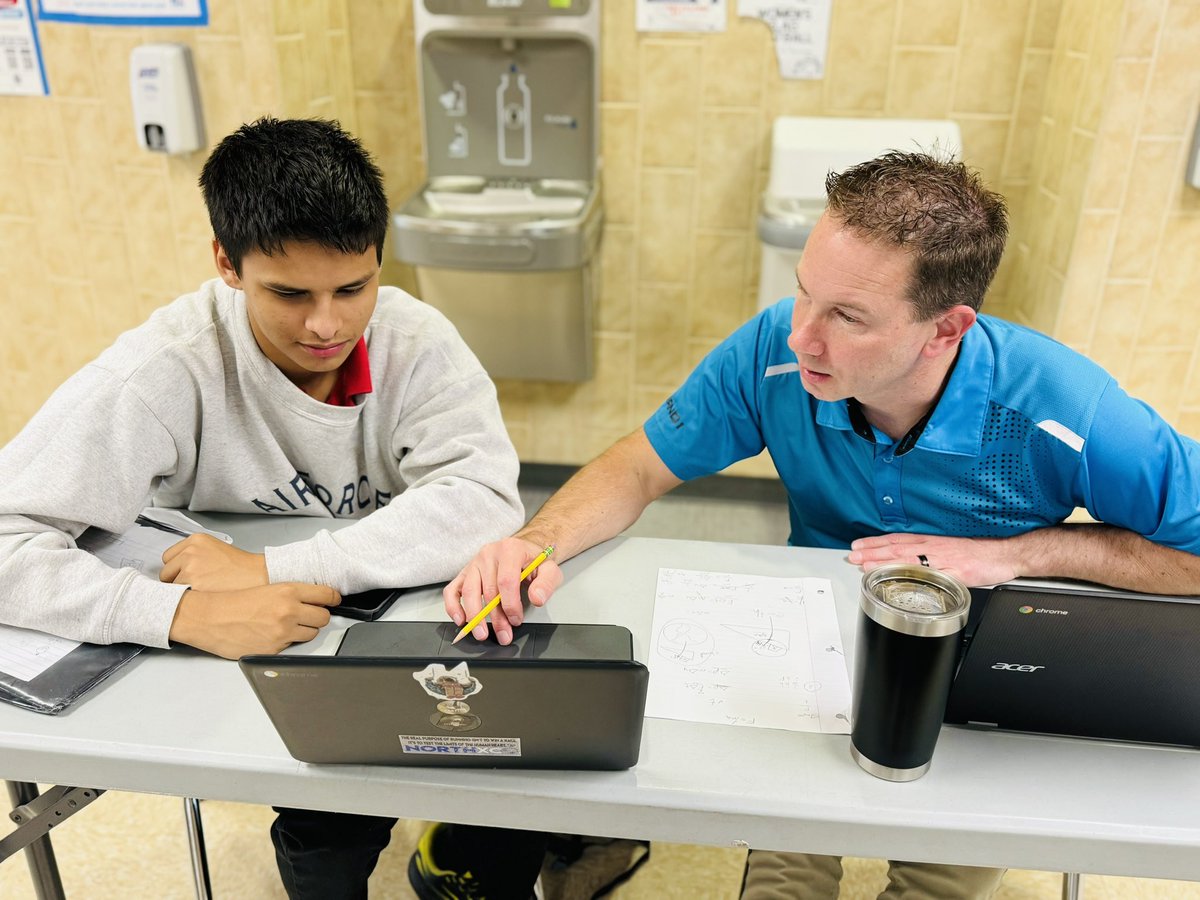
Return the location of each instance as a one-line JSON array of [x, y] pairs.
[[293, 384], [905, 427]]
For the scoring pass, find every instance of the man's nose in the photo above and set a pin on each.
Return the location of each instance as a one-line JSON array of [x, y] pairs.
[[805, 338]]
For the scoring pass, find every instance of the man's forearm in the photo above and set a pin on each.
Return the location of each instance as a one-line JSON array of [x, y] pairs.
[[1107, 555], [602, 499]]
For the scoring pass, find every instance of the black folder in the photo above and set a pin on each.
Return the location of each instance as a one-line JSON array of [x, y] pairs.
[[65, 681]]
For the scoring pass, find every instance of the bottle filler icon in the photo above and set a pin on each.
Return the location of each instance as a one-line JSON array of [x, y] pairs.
[[513, 124]]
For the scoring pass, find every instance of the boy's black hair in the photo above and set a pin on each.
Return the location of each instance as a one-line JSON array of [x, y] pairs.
[[278, 180]]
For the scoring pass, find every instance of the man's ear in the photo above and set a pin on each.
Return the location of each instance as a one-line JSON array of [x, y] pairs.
[[225, 266], [950, 328]]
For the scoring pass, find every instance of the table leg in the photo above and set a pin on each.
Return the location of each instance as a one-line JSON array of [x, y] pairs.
[[195, 833], [39, 854], [1072, 886]]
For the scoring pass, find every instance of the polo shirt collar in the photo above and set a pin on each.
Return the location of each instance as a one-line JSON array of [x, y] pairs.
[[354, 377], [956, 425]]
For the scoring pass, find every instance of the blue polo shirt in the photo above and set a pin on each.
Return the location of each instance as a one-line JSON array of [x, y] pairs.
[[1025, 431]]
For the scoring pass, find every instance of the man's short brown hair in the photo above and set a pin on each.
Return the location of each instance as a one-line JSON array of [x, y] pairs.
[[939, 210]]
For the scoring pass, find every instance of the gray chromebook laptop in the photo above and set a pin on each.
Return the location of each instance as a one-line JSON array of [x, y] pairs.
[[398, 693], [1081, 663]]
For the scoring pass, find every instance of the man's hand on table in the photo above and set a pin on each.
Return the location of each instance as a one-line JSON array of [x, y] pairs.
[[496, 569], [974, 561], [252, 620]]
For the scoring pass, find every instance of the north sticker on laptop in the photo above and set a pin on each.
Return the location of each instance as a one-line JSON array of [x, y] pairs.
[[442, 745]]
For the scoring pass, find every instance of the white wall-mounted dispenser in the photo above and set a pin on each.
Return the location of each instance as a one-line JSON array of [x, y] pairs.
[[166, 98]]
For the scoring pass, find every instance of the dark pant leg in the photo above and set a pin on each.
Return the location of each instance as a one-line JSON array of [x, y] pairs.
[[327, 855], [506, 861]]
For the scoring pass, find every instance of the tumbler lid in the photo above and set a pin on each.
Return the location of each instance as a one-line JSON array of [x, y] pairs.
[[915, 600]]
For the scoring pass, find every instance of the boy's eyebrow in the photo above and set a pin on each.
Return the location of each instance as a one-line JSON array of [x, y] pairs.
[[281, 286]]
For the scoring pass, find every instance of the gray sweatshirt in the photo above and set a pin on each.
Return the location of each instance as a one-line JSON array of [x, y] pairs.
[[185, 411]]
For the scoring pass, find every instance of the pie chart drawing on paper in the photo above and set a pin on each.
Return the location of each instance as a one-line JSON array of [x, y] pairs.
[[685, 642]]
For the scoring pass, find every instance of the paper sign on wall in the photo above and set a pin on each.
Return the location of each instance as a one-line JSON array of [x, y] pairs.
[[125, 12], [801, 31], [680, 15], [21, 68]]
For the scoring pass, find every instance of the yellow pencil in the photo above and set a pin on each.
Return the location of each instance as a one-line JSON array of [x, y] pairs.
[[483, 613]]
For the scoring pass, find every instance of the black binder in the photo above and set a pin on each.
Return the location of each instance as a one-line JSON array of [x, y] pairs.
[[75, 674], [87, 665]]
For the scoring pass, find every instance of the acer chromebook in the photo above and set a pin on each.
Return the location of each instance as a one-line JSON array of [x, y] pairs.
[[1081, 663], [399, 693]]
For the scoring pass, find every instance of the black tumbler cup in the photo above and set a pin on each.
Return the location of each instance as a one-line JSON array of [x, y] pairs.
[[910, 624]]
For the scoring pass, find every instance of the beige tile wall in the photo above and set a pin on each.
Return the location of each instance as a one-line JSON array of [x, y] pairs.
[[1117, 236], [98, 233], [1059, 134]]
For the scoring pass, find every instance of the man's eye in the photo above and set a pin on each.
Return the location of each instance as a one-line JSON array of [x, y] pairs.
[[846, 317], [286, 295], [351, 291]]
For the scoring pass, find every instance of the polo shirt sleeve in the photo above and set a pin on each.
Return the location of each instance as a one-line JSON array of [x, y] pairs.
[[713, 420], [1139, 473]]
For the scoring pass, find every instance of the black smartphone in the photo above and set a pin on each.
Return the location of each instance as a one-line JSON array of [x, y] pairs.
[[366, 605]]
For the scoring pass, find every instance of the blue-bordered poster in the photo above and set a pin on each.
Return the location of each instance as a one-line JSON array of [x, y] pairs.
[[125, 12], [21, 67]]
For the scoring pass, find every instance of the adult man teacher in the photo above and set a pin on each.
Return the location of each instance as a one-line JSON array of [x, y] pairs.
[[905, 427]]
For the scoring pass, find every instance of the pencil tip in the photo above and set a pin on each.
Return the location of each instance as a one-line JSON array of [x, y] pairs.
[[458, 637]]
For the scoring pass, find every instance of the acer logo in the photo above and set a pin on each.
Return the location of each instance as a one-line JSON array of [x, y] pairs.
[[1016, 667]]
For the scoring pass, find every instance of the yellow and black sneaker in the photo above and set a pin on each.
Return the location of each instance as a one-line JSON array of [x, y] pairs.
[[430, 881]]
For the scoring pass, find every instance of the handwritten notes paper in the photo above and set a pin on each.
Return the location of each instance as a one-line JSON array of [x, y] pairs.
[[748, 650], [27, 654], [141, 547]]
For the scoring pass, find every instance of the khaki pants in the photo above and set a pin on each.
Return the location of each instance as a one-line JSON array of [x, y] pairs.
[[806, 876]]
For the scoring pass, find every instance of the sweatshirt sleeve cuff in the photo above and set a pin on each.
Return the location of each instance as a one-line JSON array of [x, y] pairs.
[[144, 613], [294, 562]]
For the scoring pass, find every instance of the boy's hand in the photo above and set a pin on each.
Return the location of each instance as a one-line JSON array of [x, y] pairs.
[[207, 564], [253, 620]]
